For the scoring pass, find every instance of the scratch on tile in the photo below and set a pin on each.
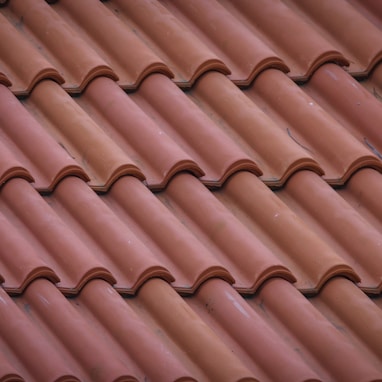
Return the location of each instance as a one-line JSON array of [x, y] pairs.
[[237, 305], [291, 136], [376, 94], [372, 148]]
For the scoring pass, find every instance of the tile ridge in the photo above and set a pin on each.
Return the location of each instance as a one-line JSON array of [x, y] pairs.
[[4, 80], [212, 272], [98, 71], [211, 65], [366, 161], [339, 270], [185, 165], [41, 272], [15, 172], [154, 272], [127, 169], [239, 165], [301, 164], [332, 56], [267, 63], [272, 272], [155, 67]]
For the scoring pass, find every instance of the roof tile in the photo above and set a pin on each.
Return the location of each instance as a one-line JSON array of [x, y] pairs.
[[28, 151], [200, 200], [76, 62], [308, 122], [165, 34], [77, 134], [347, 232], [363, 50], [249, 260], [251, 129], [301, 47], [307, 330], [348, 102], [101, 30], [303, 250], [14, 52], [44, 244], [163, 324], [244, 53], [189, 261]]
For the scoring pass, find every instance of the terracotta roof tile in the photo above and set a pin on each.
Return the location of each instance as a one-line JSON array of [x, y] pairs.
[[272, 220], [16, 50], [361, 49], [76, 132], [42, 27], [312, 122], [356, 240], [190, 191], [249, 260], [165, 34], [28, 151], [163, 324], [348, 102]]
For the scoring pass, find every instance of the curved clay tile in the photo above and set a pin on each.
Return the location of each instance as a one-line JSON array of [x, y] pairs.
[[10, 167], [114, 42], [243, 254], [182, 51], [335, 221], [28, 151], [142, 138], [15, 51], [62, 333], [192, 130], [251, 129], [244, 53], [371, 9], [343, 26], [282, 232], [184, 327], [30, 347], [373, 83], [350, 103], [188, 260], [16, 250], [58, 43], [74, 130], [112, 243], [235, 321], [132, 335], [54, 249], [311, 127], [4, 80], [348, 308], [293, 39], [326, 348], [363, 192]]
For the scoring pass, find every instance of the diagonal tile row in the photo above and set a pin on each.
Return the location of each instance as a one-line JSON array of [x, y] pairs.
[[181, 40], [243, 233], [106, 133], [100, 335]]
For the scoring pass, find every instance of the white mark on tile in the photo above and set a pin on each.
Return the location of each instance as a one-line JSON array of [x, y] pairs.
[[237, 305], [44, 300], [276, 215], [311, 103], [331, 74]]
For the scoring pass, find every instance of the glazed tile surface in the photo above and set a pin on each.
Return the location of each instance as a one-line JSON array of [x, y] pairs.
[[190, 191]]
